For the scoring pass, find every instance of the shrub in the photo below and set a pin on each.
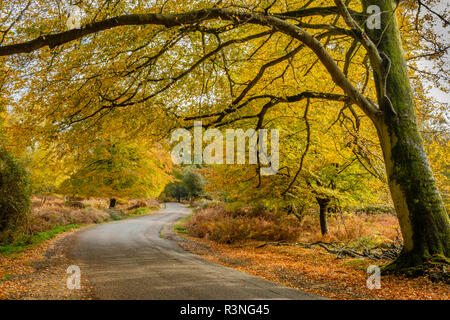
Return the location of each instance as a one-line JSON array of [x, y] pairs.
[[146, 203], [75, 204], [51, 215], [139, 204], [351, 228], [115, 216], [122, 202], [15, 193], [139, 211], [221, 224], [204, 203]]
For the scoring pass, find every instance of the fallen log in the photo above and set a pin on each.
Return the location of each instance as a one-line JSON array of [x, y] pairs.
[[389, 252]]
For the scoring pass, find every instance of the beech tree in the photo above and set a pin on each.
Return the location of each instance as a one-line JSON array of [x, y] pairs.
[[202, 60], [113, 169]]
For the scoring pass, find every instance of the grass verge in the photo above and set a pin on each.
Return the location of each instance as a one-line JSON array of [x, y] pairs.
[[28, 241], [179, 226]]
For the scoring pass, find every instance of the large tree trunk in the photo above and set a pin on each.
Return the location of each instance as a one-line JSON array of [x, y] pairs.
[[323, 208], [423, 219]]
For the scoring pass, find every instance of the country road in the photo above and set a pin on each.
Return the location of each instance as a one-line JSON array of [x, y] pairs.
[[129, 260]]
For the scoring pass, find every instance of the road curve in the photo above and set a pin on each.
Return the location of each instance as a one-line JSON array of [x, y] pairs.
[[129, 260]]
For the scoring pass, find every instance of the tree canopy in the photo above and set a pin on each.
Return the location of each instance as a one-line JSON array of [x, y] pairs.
[[113, 169]]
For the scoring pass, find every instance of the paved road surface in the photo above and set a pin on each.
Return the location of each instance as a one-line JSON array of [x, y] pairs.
[[129, 260]]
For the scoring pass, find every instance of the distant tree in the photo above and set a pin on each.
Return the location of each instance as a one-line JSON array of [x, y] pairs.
[[194, 182], [114, 169], [48, 171], [176, 190]]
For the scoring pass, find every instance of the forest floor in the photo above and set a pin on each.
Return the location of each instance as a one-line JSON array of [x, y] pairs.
[[40, 272], [315, 270]]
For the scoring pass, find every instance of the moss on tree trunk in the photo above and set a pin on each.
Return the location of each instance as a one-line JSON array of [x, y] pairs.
[[423, 219]]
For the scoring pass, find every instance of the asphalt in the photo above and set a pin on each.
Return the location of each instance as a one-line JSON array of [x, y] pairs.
[[129, 259]]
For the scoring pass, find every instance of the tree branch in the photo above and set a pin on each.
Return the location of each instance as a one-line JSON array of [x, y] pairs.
[[193, 17]]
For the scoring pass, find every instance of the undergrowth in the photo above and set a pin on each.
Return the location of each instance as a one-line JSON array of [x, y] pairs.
[[27, 241], [53, 216], [354, 230], [180, 226]]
